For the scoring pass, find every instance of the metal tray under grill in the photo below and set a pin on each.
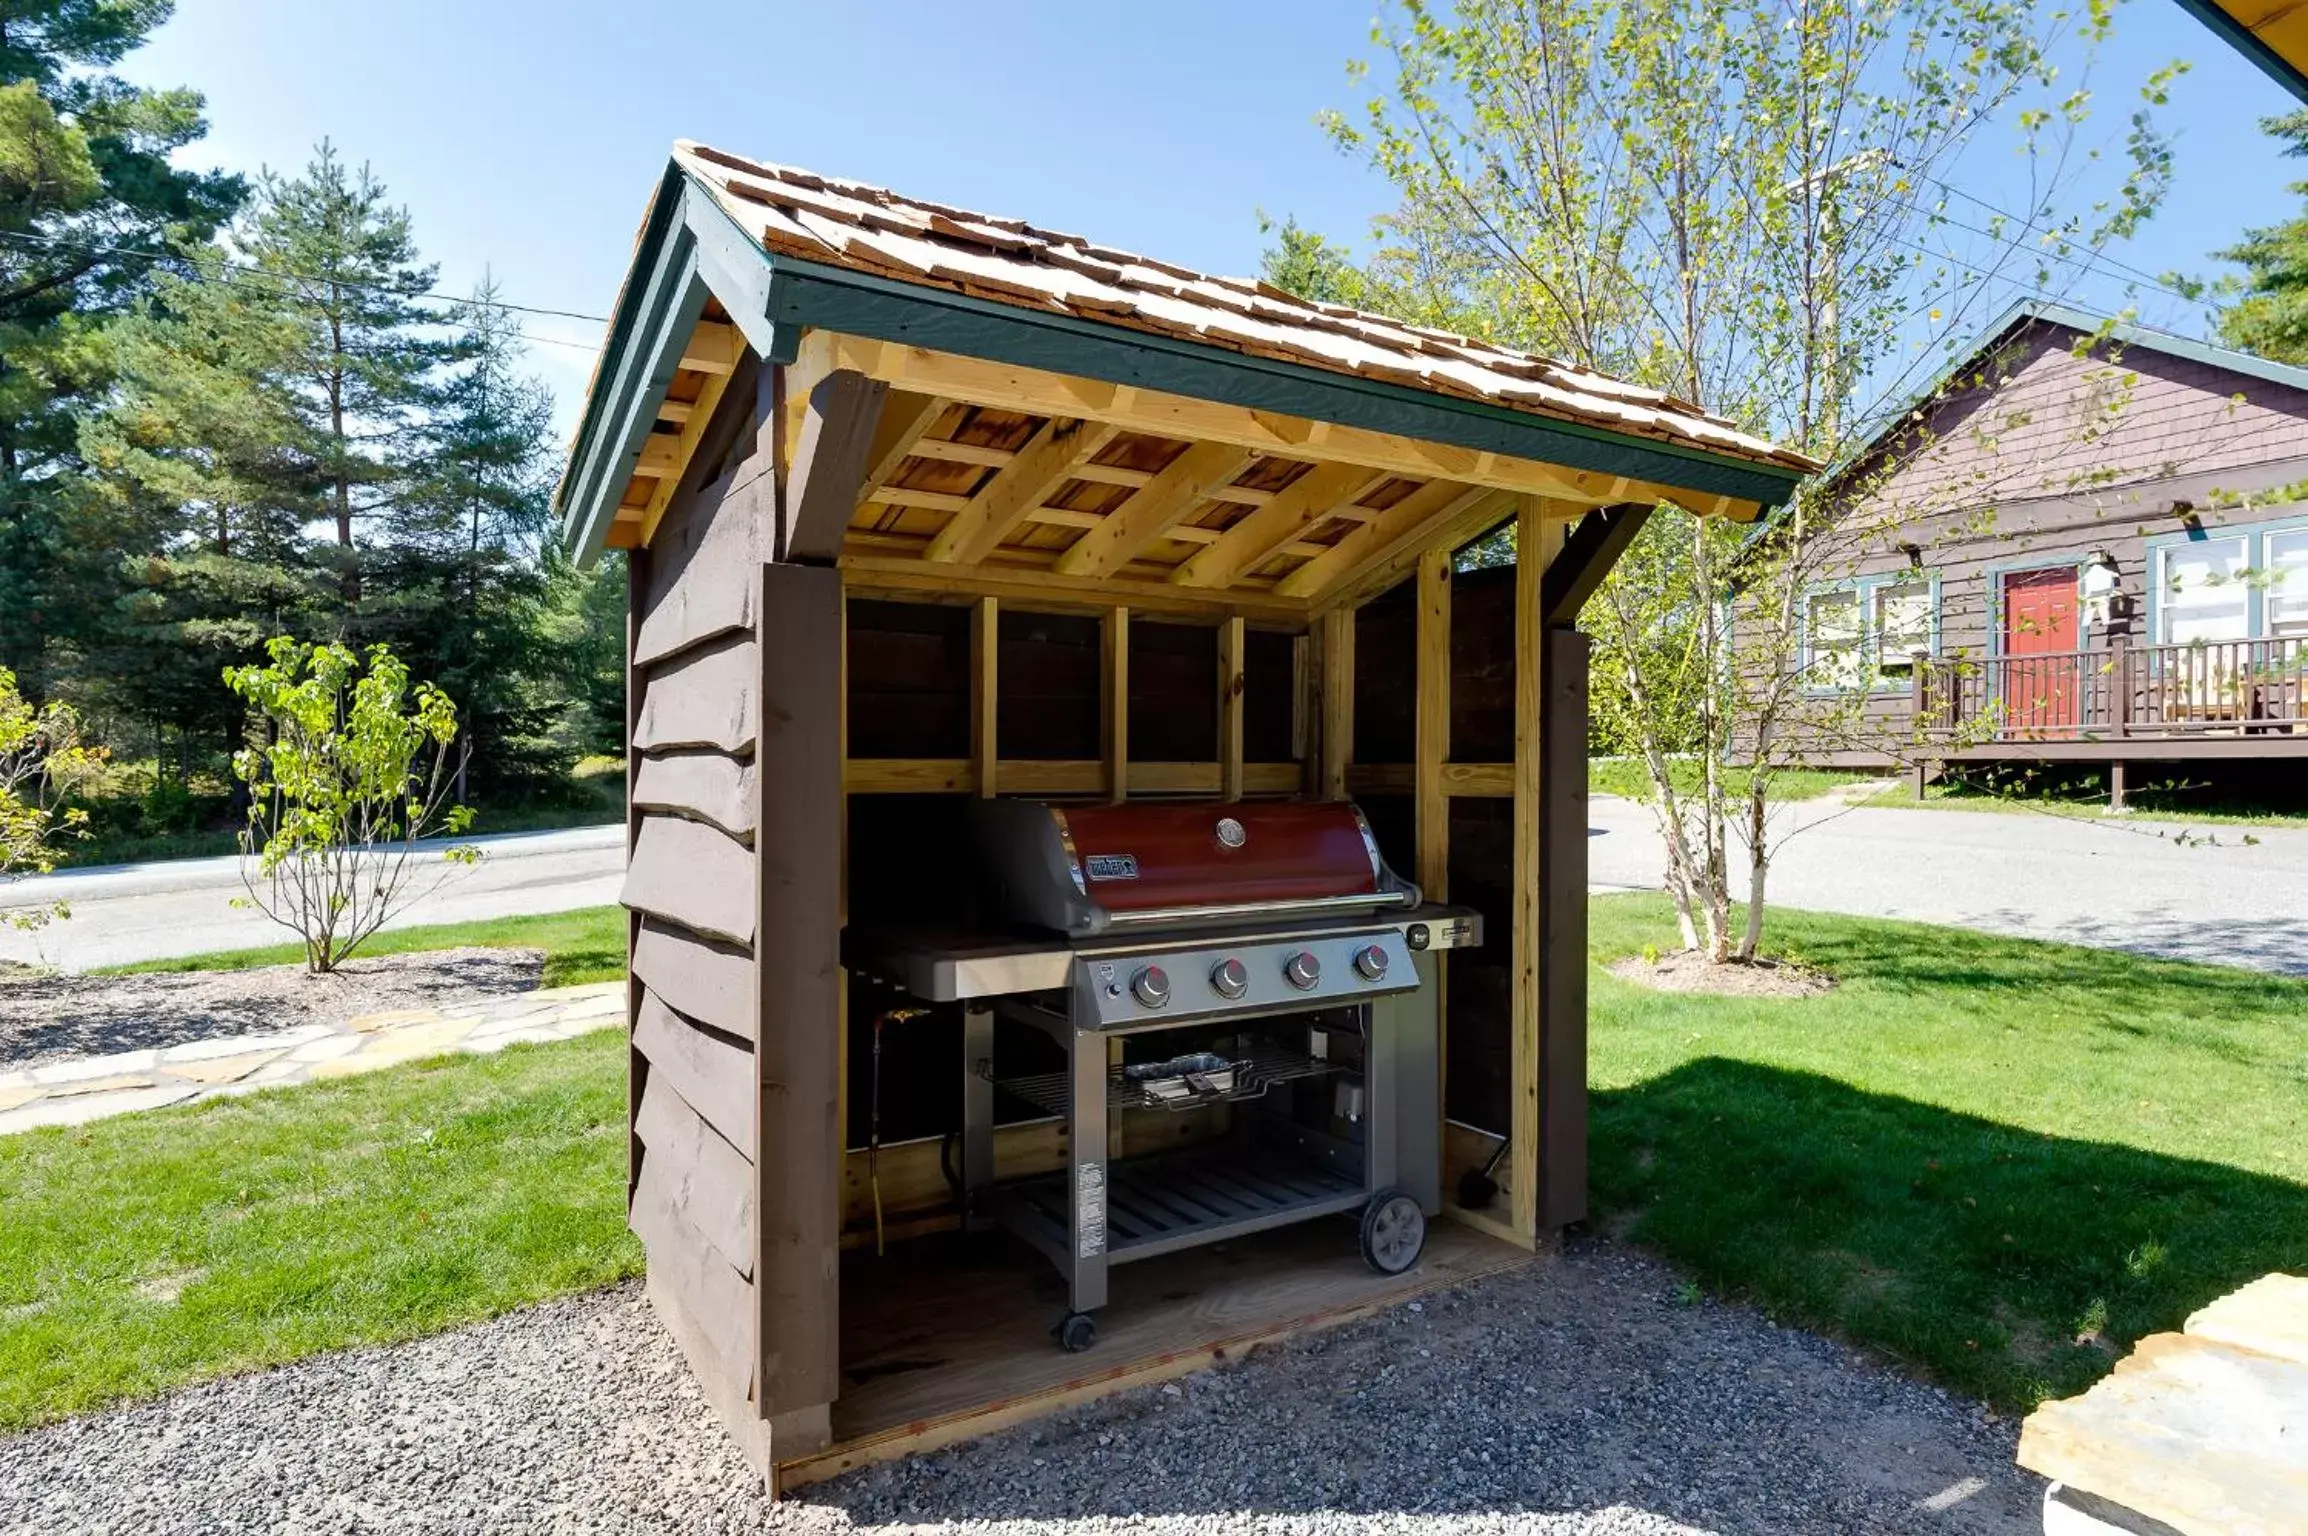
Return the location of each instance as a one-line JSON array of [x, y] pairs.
[[1255, 1070], [1155, 1205]]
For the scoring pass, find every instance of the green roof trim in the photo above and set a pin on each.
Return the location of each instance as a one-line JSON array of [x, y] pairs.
[[2241, 38], [690, 240]]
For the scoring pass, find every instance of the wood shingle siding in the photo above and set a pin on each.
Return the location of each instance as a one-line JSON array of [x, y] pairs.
[[702, 698], [712, 1073], [708, 1182], [687, 873], [711, 787], [701, 978], [717, 1299]]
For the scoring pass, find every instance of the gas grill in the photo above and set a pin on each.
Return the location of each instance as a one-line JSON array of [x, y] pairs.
[[1257, 962]]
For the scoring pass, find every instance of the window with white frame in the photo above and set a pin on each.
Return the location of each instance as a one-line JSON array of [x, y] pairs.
[[2286, 615], [1901, 620], [1869, 631], [1835, 638], [2202, 591]]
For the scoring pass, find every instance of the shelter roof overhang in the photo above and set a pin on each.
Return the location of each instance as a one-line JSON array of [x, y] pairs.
[[1139, 428]]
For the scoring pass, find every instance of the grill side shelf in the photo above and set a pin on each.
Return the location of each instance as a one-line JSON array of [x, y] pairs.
[[1256, 1071]]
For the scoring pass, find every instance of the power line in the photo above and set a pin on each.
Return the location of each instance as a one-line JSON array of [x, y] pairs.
[[279, 277]]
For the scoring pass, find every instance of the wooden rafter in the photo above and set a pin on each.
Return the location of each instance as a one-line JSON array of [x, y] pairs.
[[1151, 512], [1400, 525], [692, 424], [1047, 461], [1037, 392], [1306, 501], [905, 417], [714, 347]]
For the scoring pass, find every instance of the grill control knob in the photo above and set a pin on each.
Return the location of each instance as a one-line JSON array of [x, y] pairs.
[[1302, 971], [1371, 961], [1229, 978], [1151, 986]]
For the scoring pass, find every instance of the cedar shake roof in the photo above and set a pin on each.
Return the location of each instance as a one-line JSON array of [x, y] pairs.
[[869, 229]]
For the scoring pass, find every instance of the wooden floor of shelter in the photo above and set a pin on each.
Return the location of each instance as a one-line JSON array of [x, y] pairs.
[[946, 1339]]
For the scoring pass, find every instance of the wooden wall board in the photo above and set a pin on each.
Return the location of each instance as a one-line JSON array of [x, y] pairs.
[[1230, 688], [1562, 1057], [708, 786], [798, 1055], [713, 1295], [725, 1395], [690, 874], [712, 1072], [1114, 702], [705, 979], [707, 1182], [702, 698]]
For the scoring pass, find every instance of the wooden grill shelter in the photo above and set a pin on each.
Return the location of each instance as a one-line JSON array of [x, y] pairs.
[[922, 505]]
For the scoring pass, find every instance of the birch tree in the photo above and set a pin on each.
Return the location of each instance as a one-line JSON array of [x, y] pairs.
[[1751, 207]]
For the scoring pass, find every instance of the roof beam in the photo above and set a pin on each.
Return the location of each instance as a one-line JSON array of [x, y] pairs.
[[1009, 386], [692, 422], [714, 347], [1306, 501], [1594, 545], [1046, 462], [1405, 525], [1149, 513]]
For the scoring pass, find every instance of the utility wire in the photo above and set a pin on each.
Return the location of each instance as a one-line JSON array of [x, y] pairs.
[[274, 280]]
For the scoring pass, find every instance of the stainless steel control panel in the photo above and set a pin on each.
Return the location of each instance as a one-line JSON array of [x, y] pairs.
[[1170, 986]]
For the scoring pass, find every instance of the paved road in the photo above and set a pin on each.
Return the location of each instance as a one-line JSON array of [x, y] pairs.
[[182, 907], [2116, 883]]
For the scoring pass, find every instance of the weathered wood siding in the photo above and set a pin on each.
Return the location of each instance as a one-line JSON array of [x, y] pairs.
[[693, 687]]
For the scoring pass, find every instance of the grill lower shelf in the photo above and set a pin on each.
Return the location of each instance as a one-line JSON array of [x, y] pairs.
[[1261, 1067], [1155, 1205]]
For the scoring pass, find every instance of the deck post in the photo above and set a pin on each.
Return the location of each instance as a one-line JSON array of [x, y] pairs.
[[2119, 687], [2116, 801]]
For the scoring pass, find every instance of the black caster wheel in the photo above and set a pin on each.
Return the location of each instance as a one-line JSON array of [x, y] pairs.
[[1076, 1332], [1393, 1232]]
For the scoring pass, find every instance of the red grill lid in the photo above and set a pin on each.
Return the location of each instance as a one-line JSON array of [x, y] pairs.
[[1082, 869]]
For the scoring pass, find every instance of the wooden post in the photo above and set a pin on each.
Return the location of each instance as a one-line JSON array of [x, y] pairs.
[[1337, 702], [1432, 807], [797, 859], [1562, 1194], [2120, 686], [2116, 786], [1535, 1147], [1114, 702], [1230, 644], [985, 692]]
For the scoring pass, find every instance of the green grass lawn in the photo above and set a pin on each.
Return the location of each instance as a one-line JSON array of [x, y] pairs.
[[1998, 1162], [155, 1249], [587, 944], [1628, 778], [2091, 804]]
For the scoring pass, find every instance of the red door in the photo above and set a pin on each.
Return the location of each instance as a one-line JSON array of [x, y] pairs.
[[2039, 651]]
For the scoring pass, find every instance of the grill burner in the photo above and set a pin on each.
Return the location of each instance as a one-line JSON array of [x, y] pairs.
[[1275, 929]]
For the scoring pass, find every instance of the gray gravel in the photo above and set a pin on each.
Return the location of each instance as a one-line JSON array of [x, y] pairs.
[[1580, 1395], [46, 1017]]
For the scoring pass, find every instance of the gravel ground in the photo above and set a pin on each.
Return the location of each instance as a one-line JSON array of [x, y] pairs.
[[45, 1017], [1579, 1395]]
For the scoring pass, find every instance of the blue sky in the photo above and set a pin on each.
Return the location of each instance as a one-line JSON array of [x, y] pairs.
[[525, 135]]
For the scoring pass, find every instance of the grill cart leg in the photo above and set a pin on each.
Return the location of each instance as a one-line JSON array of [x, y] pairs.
[[1086, 1138], [977, 1114]]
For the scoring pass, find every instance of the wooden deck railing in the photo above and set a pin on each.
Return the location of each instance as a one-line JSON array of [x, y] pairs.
[[2118, 692]]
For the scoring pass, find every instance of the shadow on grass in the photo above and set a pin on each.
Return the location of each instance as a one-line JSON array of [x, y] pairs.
[[2008, 1264]]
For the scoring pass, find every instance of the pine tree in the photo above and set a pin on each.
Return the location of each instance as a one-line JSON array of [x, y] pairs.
[[86, 190], [362, 374], [459, 570], [2271, 316]]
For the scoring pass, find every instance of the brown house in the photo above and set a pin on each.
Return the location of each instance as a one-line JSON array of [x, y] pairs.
[[2088, 542]]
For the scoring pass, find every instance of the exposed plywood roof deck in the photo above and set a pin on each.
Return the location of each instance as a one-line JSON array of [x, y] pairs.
[[988, 468]]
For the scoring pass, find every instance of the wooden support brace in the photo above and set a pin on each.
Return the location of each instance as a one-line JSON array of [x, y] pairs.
[[1433, 723], [829, 465], [1230, 690], [1114, 701], [1337, 752], [985, 692]]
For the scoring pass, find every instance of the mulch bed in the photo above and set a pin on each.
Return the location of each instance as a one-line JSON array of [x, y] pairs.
[[46, 1016], [1690, 971]]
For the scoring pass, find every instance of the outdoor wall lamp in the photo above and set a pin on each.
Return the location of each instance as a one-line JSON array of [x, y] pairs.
[[2100, 583]]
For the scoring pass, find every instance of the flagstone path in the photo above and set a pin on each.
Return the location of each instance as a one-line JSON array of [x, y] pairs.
[[89, 1088]]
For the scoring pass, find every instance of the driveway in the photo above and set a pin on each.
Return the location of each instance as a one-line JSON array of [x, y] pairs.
[[2161, 888], [133, 912]]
